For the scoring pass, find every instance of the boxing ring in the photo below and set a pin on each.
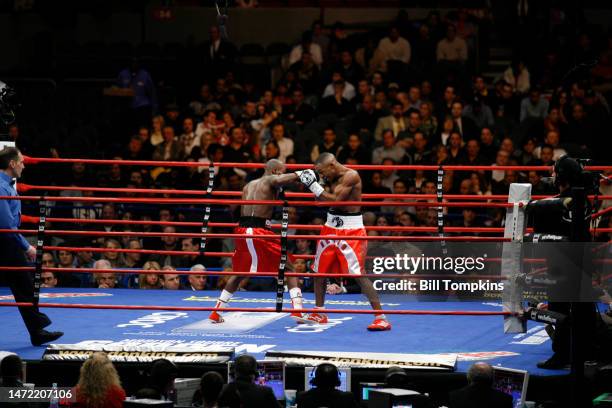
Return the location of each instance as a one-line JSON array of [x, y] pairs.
[[260, 332], [258, 322]]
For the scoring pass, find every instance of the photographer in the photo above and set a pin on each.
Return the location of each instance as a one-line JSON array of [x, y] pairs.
[[565, 219]]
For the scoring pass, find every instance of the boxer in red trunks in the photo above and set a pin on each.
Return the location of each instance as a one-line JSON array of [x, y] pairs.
[[341, 256], [259, 255]]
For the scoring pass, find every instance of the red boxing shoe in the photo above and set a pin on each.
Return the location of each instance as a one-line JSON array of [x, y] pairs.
[[316, 318], [379, 325], [215, 317], [300, 318]]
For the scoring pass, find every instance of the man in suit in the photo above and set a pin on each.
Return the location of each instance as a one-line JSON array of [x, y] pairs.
[[479, 392], [219, 54], [243, 391], [396, 122], [325, 394], [16, 251]]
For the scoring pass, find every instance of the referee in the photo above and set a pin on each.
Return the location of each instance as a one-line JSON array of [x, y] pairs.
[[16, 251]]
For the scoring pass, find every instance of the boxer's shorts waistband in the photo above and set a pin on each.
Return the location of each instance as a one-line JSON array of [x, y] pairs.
[[254, 222], [344, 221]]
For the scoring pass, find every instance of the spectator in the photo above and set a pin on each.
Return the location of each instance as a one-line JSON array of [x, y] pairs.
[[211, 385], [456, 152], [104, 280], [170, 281], [388, 174], [169, 149], [517, 76], [552, 140], [188, 140], [389, 149], [284, 144], [396, 122], [307, 73], [219, 54], [99, 385], [169, 242], [348, 92], [48, 261], [534, 106], [354, 149], [48, 280], [306, 45], [480, 113], [420, 153], [197, 282], [187, 261], [11, 371], [157, 124], [243, 391], [464, 125], [236, 152], [348, 68], [336, 104], [150, 280], [479, 391], [134, 259], [116, 259], [144, 100], [429, 123], [324, 392], [488, 147], [160, 381], [366, 119], [299, 112], [452, 49], [392, 48], [329, 145]]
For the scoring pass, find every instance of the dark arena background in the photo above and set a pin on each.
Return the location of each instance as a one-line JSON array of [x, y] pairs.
[[415, 192]]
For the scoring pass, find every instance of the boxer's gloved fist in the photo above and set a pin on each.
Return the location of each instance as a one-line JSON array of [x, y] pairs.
[[309, 179]]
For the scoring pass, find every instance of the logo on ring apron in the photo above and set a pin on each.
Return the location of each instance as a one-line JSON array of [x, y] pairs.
[[338, 222]]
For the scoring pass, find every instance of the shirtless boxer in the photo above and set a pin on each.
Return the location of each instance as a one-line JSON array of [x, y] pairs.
[[259, 255], [341, 256]]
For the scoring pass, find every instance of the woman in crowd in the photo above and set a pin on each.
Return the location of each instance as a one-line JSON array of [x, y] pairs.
[[99, 385], [150, 280]]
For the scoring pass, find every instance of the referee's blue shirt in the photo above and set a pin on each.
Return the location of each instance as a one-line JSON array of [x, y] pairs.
[[10, 211]]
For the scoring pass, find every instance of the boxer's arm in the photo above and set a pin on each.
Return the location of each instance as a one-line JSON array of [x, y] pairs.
[[343, 190], [283, 179]]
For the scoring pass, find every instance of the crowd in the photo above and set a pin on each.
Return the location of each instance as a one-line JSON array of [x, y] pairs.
[[99, 386], [411, 95]]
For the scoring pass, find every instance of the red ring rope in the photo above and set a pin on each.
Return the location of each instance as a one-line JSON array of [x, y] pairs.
[[24, 188], [272, 274], [254, 309], [37, 160], [403, 238]]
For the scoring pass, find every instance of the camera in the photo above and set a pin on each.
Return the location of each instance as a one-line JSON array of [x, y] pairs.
[[7, 104]]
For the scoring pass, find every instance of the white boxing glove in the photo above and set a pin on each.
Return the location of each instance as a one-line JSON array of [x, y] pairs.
[[309, 179]]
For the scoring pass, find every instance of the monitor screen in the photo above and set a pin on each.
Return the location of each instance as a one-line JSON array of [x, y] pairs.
[[345, 378], [271, 373], [365, 389], [512, 382]]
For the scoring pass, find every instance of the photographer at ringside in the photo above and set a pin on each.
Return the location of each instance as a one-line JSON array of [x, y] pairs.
[[560, 223]]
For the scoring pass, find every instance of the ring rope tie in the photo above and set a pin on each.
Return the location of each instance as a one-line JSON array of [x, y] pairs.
[[280, 280], [206, 215], [40, 242], [440, 210]]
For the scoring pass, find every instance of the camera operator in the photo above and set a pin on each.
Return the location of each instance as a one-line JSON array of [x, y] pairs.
[[560, 218]]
